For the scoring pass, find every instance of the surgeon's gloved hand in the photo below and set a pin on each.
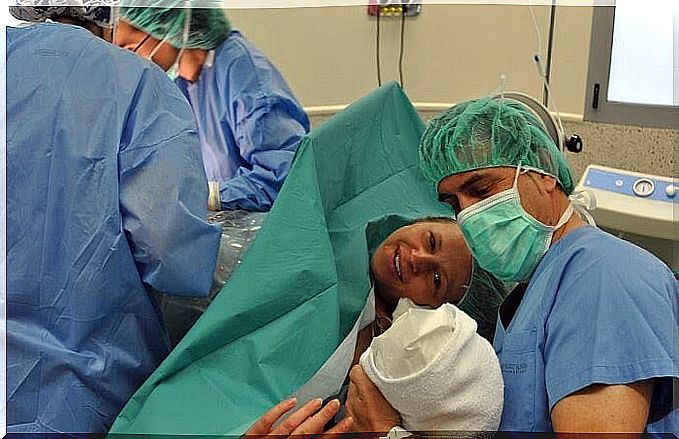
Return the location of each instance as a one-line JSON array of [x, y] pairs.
[[306, 420], [367, 406]]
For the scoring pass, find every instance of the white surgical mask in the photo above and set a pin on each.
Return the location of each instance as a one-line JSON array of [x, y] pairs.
[[155, 49], [466, 287], [173, 71]]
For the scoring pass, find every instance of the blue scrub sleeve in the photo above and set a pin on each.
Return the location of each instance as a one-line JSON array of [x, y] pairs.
[[267, 137], [612, 323], [163, 194]]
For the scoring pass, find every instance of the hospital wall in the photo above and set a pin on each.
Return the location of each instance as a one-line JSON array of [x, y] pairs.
[[451, 53]]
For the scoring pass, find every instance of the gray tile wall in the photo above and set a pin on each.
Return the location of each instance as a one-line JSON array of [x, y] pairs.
[[639, 149]]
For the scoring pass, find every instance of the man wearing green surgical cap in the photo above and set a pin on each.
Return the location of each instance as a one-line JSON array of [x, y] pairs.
[[588, 339], [249, 121]]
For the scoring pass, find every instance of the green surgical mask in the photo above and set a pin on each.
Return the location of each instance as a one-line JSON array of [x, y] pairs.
[[505, 239]]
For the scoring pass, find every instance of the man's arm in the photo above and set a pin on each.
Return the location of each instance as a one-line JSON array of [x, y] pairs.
[[163, 191], [267, 136], [594, 377], [604, 408]]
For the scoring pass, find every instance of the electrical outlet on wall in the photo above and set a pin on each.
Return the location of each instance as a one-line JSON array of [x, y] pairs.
[[394, 8]]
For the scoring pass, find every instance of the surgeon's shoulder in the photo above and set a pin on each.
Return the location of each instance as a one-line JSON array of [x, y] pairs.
[[235, 46], [143, 82], [588, 241], [246, 66], [594, 252], [153, 107], [52, 39], [77, 41], [87, 51]]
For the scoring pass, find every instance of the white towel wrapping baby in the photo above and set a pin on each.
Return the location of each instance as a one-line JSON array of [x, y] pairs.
[[436, 371]]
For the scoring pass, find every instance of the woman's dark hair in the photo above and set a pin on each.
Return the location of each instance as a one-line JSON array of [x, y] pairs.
[[433, 219]]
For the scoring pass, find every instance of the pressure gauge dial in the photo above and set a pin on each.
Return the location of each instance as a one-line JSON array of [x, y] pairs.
[[643, 187]]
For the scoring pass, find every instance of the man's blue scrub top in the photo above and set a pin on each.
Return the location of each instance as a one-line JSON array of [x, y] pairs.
[[597, 310]]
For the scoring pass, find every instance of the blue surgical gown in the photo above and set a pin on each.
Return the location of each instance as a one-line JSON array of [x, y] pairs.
[[105, 193], [249, 123], [597, 310]]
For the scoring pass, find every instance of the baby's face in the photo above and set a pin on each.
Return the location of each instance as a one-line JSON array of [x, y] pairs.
[[427, 262]]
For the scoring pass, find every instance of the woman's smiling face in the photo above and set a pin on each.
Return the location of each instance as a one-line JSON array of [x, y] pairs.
[[427, 261]]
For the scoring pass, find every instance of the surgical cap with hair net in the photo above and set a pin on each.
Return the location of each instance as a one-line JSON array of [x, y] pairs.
[[486, 133], [483, 300], [165, 19], [91, 11]]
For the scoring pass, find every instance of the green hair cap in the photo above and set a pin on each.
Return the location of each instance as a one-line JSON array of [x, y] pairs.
[[207, 29], [487, 133]]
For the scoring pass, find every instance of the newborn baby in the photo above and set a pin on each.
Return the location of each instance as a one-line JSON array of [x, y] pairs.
[[436, 371]]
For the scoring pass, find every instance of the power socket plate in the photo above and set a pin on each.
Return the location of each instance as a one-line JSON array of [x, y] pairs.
[[394, 8]]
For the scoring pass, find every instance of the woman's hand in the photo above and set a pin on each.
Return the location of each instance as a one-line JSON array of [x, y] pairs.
[[306, 420], [367, 407]]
